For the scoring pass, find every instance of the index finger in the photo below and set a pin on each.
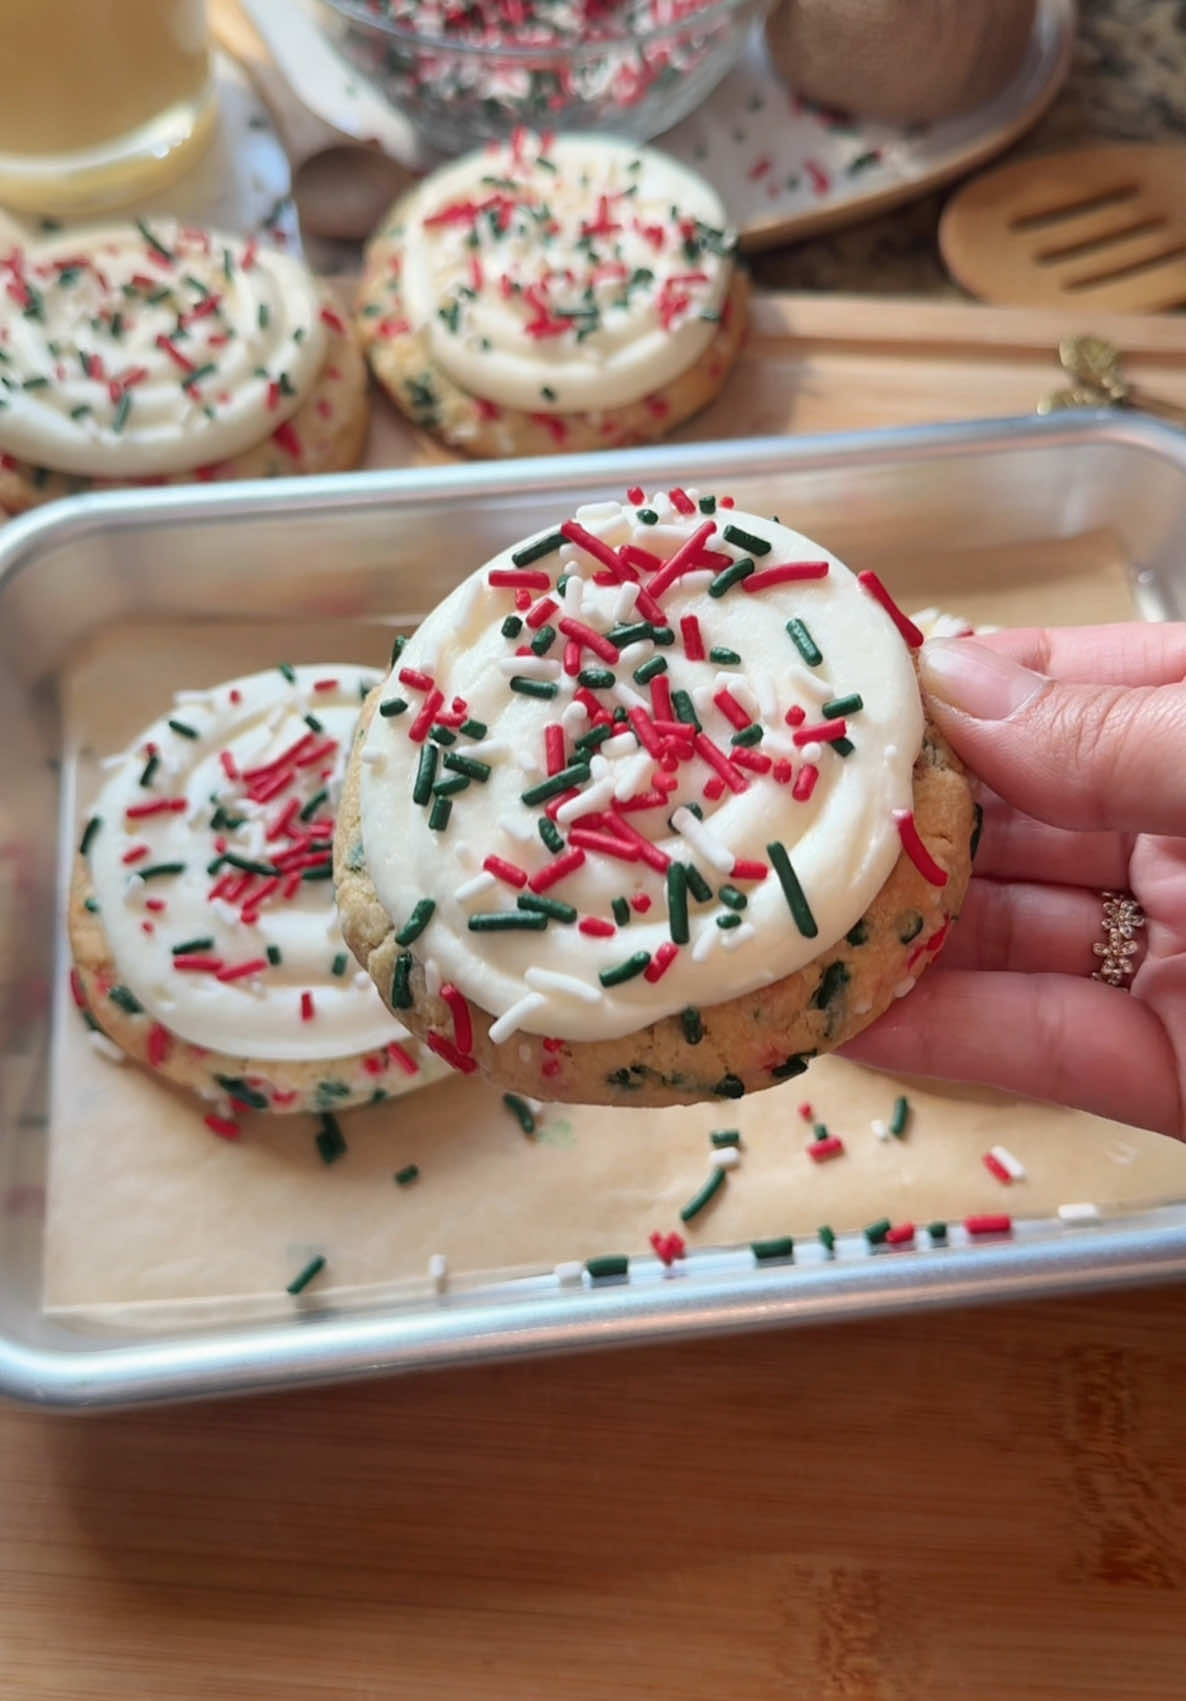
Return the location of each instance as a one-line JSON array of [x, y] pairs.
[[1133, 652]]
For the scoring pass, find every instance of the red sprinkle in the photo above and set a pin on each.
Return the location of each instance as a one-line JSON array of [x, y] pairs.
[[307, 1007], [990, 1222], [994, 1166], [285, 436], [790, 574], [693, 639], [554, 747], [229, 766], [405, 1060], [330, 318], [605, 843], [222, 1126], [918, 853], [870, 582], [716, 758], [630, 555], [753, 760], [595, 641], [517, 578], [743, 870], [412, 677], [240, 971], [821, 1150], [198, 965], [463, 1032], [667, 1247], [650, 853], [684, 560], [806, 1112], [825, 732], [542, 611], [795, 716], [732, 710], [160, 1044], [713, 788], [505, 871], [640, 903], [162, 806], [805, 782], [445, 1048], [418, 731], [136, 854], [76, 991], [902, 1234], [681, 501], [592, 545], [567, 863], [596, 928], [659, 964], [636, 494]]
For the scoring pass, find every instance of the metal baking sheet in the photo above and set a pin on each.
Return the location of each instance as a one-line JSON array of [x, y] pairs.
[[333, 547]]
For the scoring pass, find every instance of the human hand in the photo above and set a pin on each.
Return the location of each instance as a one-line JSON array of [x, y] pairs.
[[1079, 739]]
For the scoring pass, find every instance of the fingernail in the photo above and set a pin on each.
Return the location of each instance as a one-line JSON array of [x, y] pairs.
[[974, 679]]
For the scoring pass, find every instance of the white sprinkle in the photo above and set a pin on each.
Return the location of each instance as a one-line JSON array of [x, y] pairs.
[[133, 890], [706, 943], [529, 667], [438, 1271], [925, 616], [738, 687], [767, 696], [674, 535], [432, 977], [631, 654], [891, 753], [1007, 1161], [487, 750], [573, 717], [880, 1128], [697, 581], [331, 926], [632, 775], [519, 828], [819, 690], [105, 1047], [1083, 1212], [811, 751], [198, 699], [775, 744], [474, 888], [862, 1007], [594, 515], [702, 841], [460, 616], [593, 797], [725, 1157], [628, 696], [735, 937], [525, 1053], [226, 913], [372, 757], [466, 855], [547, 980], [574, 594], [904, 986], [1121, 1152], [362, 980], [702, 696], [624, 602], [569, 1273], [511, 1019], [621, 744]]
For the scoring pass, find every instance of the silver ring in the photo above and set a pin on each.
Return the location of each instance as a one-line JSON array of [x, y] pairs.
[[1123, 917]]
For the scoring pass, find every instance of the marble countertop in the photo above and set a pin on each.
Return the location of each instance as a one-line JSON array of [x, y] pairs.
[[1127, 83]]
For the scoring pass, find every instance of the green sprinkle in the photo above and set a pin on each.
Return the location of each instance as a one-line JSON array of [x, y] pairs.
[[728, 920], [900, 1117], [126, 1000], [595, 737], [685, 709], [242, 1091], [330, 1141], [794, 1065], [88, 834], [313, 1268], [725, 1137], [838, 707], [547, 392], [438, 815], [458, 763], [820, 1131], [648, 516], [192, 945], [609, 1264], [746, 540], [937, 1231], [621, 911], [196, 285], [842, 746], [730, 1087], [596, 678], [633, 633], [708, 504], [90, 906], [157, 246], [406, 1176], [122, 409], [81, 411], [507, 921], [397, 648], [542, 688], [511, 626], [706, 1194], [338, 966], [391, 707], [159, 295], [401, 982], [730, 576], [804, 643], [857, 934], [650, 669], [827, 1238], [876, 1232], [693, 1026], [677, 903], [228, 264], [697, 884], [768, 1251], [833, 980], [183, 729], [556, 908], [792, 891], [313, 724], [313, 805], [416, 923], [576, 774], [536, 551], [451, 787], [272, 953], [521, 1111], [206, 370], [149, 769], [35, 384], [550, 833], [543, 640], [473, 729], [730, 895], [748, 736], [426, 773], [154, 870], [287, 669], [726, 657], [322, 871], [633, 965]]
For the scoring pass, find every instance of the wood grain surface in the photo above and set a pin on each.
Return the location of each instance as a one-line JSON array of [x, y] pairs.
[[982, 1504]]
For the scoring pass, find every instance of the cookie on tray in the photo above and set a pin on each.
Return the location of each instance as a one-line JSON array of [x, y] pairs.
[[202, 920], [649, 810], [153, 353], [548, 295]]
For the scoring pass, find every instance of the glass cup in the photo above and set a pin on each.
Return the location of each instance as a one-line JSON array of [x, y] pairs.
[[104, 100]]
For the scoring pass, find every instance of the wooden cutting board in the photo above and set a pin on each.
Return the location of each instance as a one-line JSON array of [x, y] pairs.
[[835, 363]]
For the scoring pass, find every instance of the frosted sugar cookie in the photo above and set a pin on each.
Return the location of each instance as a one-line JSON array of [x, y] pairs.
[[649, 809], [549, 295], [153, 353], [202, 919]]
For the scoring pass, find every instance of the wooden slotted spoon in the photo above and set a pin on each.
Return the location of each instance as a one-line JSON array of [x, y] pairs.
[[1102, 228]]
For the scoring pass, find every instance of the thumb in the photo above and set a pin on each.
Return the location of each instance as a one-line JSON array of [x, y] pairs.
[[1073, 755]]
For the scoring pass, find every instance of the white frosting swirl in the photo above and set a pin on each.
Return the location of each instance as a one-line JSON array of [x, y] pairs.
[[829, 805], [134, 350], [246, 724], [565, 276]]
